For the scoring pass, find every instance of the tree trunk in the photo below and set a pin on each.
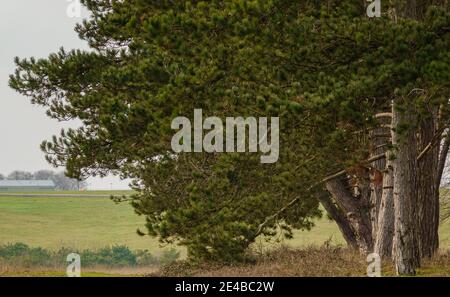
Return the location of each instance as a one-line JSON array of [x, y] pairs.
[[341, 220], [406, 239], [428, 193], [381, 186], [376, 184], [356, 212], [385, 230]]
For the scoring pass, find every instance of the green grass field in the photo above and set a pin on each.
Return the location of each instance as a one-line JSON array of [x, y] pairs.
[[79, 223], [92, 223]]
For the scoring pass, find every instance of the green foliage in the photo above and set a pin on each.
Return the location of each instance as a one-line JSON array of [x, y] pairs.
[[28, 256], [116, 256], [323, 68], [169, 256]]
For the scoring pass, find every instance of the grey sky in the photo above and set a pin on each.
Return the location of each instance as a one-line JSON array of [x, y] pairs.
[[32, 28]]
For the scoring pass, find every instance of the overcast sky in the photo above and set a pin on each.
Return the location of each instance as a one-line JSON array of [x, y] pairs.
[[33, 28]]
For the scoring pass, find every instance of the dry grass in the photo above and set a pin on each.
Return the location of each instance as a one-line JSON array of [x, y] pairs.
[[60, 271], [311, 261]]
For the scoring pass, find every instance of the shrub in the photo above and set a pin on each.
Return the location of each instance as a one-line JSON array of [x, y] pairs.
[[144, 257], [37, 257], [13, 250], [169, 256], [116, 256], [22, 254]]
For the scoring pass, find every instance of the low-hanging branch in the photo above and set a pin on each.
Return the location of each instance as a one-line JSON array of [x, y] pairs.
[[293, 201]]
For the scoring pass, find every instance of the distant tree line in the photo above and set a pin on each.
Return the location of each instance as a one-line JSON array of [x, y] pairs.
[[61, 181]]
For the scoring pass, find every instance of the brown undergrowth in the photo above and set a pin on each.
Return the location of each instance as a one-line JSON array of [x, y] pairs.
[[307, 262]]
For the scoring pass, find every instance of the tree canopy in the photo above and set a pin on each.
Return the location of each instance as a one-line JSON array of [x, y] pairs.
[[323, 68]]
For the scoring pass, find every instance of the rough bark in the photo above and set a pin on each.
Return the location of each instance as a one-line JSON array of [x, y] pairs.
[[379, 145], [356, 212], [376, 195], [341, 220], [428, 192], [385, 230], [406, 239]]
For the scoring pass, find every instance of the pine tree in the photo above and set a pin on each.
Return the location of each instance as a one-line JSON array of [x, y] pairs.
[[325, 69]]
